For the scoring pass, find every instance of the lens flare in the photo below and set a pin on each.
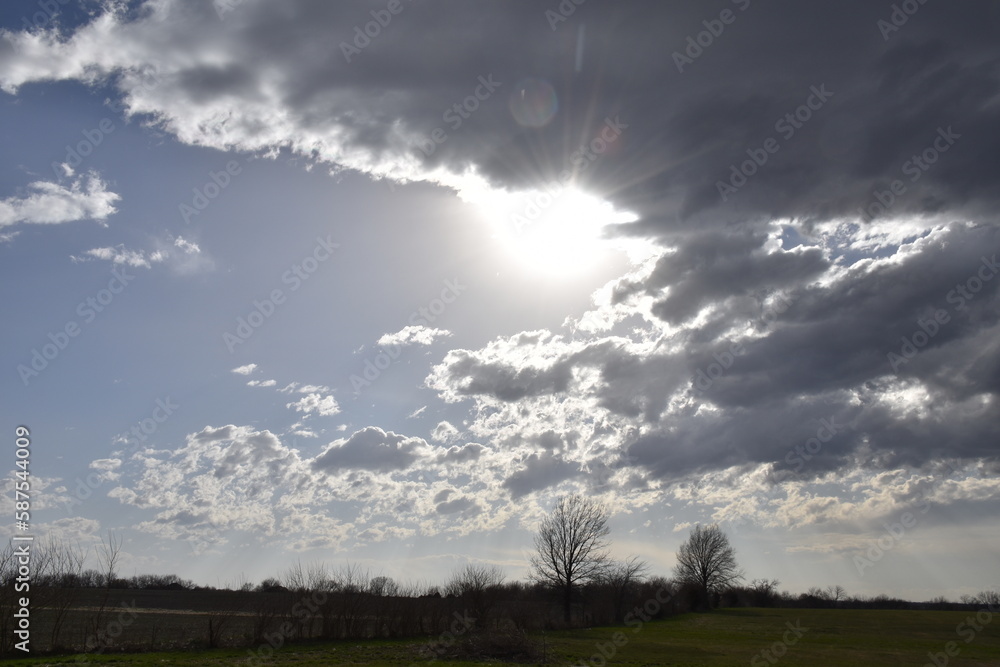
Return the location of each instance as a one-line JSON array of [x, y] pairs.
[[534, 102]]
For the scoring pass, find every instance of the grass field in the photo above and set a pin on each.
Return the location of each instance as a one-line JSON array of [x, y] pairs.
[[727, 637]]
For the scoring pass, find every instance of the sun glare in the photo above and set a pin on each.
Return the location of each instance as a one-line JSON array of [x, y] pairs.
[[559, 233]]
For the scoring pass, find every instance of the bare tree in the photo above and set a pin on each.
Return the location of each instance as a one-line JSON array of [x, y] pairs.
[[108, 555], [707, 560], [348, 614], [317, 577], [294, 578], [622, 578], [240, 584], [67, 564], [764, 592], [987, 598], [830, 595], [479, 586], [383, 586], [571, 547]]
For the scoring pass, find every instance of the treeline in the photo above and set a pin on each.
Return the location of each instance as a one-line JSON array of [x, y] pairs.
[[764, 593], [96, 579], [476, 614]]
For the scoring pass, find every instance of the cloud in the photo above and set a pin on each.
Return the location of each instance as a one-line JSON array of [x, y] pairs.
[[463, 453], [51, 203], [312, 388], [457, 505], [121, 255], [710, 267], [182, 255], [539, 471], [370, 449], [413, 335], [445, 432], [106, 464], [186, 246], [262, 383], [540, 368], [181, 67], [802, 334], [231, 481], [325, 406], [245, 370], [222, 479], [303, 388]]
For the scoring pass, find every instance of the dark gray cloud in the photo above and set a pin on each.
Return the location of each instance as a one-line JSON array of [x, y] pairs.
[[462, 453], [539, 472], [371, 448], [685, 128], [506, 381], [466, 505], [879, 362], [841, 335], [710, 267], [884, 97]]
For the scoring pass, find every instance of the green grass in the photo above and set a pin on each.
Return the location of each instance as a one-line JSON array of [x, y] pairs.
[[728, 637], [834, 637]]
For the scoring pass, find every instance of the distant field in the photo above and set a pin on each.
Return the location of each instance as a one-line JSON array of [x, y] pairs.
[[728, 637]]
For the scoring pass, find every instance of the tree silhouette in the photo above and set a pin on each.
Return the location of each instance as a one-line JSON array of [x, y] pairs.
[[621, 578], [571, 547], [707, 560], [479, 587]]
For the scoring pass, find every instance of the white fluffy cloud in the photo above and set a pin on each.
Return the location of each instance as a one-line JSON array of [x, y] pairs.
[[122, 255], [233, 479], [324, 406], [183, 256], [414, 335], [445, 432], [52, 203]]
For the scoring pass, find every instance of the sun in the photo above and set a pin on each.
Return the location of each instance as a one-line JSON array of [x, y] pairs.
[[556, 232]]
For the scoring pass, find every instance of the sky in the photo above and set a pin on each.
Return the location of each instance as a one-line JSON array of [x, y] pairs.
[[379, 282]]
